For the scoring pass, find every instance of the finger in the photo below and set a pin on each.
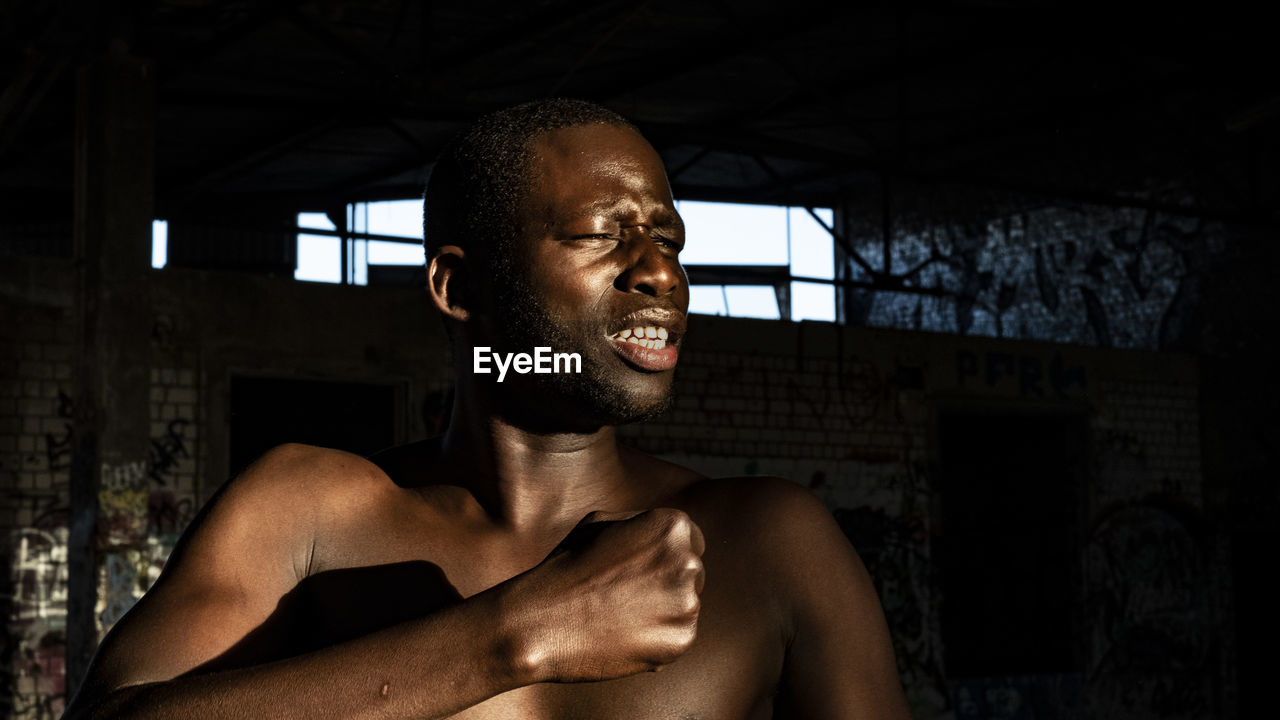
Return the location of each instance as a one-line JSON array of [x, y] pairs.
[[698, 570], [679, 530], [584, 532], [610, 516], [696, 541], [594, 516], [590, 527]]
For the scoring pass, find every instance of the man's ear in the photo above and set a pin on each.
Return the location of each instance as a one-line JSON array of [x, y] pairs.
[[451, 283]]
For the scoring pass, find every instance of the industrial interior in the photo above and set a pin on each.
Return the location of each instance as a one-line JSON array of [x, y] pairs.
[[1036, 395]]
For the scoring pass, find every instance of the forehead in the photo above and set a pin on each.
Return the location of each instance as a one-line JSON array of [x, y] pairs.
[[579, 168]]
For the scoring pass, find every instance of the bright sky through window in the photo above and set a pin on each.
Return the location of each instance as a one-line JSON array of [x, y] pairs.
[[718, 234], [319, 256], [733, 234], [727, 234], [159, 243], [402, 218]]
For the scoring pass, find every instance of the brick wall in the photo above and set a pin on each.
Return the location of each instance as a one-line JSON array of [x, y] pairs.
[[35, 417], [850, 413]]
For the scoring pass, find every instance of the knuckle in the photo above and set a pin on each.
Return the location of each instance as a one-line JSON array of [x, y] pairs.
[[664, 515], [678, 524], [681, 566]]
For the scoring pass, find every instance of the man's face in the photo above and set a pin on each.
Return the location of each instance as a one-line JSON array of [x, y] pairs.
[[597, 258]]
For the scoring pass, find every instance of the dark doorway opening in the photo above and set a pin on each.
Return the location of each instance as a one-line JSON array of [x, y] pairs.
[[352, 416], [1009, 543], [1257, 625]]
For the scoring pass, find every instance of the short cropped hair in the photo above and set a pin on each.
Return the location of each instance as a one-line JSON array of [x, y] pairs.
[[476, 186]]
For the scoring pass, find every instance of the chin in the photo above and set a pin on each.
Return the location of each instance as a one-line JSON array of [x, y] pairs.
[[585, 403], [645, 401]]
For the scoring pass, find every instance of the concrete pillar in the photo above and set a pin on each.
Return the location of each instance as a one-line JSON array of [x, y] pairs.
[[114, 188], [853, 305]]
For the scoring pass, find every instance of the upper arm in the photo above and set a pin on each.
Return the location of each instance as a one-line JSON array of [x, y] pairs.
[[246, 550], [840, 661]]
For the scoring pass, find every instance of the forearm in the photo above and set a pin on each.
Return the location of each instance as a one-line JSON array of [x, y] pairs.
[[431, 667]]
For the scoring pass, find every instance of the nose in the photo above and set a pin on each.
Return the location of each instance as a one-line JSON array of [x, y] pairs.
[[649, 271]]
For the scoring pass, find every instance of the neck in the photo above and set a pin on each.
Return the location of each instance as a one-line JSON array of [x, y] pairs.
[[532, 481]]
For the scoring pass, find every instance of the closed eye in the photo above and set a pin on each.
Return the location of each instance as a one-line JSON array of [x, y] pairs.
[[595, 236], [668, 242]]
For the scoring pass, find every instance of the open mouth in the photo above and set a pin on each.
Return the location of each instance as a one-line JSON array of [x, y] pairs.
[[646, 336], [647, 347]]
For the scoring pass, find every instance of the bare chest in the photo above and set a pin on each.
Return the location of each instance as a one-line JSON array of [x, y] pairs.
[[731, 672]]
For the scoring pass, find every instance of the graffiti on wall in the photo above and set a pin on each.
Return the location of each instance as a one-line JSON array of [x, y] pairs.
[[135, 499], [141, 514], [123, 490], [895, 550], [140, 518], [57, 446], [1030, 374], [168, 450], [124, 575], [34, 606], [32, 673], [1101, 276], [1148, 605], [1020, 697], [167, 514], [1148, 583]]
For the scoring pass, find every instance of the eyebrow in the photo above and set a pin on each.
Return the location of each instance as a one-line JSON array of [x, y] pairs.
[[665, 218], [601, 207]]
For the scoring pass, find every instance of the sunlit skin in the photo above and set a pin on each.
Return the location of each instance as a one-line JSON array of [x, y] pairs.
[[464, 577]]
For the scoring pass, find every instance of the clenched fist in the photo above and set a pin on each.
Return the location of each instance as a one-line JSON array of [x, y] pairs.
[[618, 596]]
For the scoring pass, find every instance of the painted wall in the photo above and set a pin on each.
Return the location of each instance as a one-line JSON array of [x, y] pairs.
[[850, 413], [205, 328]]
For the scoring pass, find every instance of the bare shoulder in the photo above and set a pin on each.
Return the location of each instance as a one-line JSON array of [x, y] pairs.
[[289, 494], [294, 465], [281, 502], [754, 489], [765, 509], [310, 476], [787, 531], [765, 503]]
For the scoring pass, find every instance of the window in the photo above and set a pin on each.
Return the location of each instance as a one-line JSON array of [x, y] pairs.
[[159, 243], [762, 261], [753, 261], [383, 246]]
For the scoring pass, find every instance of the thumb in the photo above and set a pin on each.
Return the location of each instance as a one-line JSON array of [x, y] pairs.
[[604, 516], [590, 527]]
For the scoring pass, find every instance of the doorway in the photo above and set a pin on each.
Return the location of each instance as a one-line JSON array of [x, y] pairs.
[[1009, 542], [358, 417]]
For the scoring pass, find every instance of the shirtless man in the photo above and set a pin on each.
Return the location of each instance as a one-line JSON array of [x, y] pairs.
[[524, 565]]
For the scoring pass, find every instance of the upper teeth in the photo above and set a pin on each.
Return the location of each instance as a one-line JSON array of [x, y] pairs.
[[648, 336]]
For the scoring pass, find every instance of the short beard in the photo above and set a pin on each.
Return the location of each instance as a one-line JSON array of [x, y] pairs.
[[558, 402]]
